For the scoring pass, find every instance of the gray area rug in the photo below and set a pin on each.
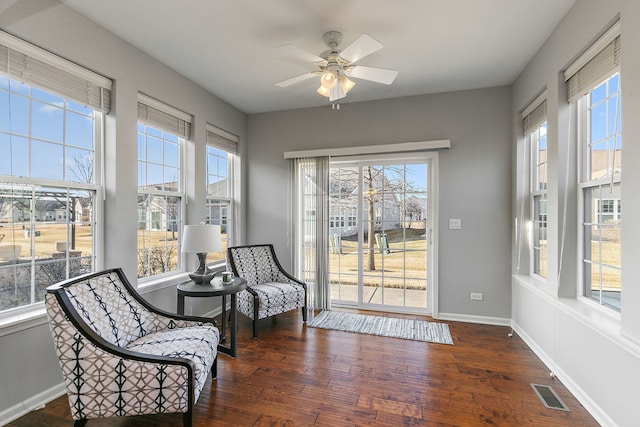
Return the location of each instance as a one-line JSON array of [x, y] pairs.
[[410, 329]]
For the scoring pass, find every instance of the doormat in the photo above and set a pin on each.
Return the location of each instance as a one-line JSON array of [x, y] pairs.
[[409, 329]]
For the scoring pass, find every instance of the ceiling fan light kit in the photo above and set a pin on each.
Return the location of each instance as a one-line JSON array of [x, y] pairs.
[[336, 66]]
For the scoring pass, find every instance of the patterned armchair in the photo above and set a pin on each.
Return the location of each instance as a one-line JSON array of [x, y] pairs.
[[270, 289], [121, 356]]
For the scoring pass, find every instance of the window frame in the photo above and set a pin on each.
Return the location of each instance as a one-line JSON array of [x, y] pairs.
[[65, 186], [229, 222], [179, 193], [538, 195], [587, 183]]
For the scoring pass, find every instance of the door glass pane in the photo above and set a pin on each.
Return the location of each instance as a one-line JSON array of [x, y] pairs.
[[387, 258]]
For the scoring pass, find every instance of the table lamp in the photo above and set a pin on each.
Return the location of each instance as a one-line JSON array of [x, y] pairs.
[[201, 239]]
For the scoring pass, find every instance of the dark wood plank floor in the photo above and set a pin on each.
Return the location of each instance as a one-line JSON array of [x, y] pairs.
[[296, 376]]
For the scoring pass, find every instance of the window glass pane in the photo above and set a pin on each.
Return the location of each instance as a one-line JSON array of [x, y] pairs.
[[72, 106], [79, 130], [21, 88], [599, 93], [79, 165], [154, 175], [158, 235], [598, 118], [171, 154], [46, 160], [14, 113], [602, 243], [154, 150], [170, 179], [46, 97], [14, 152], [47, 121], [540, 235]]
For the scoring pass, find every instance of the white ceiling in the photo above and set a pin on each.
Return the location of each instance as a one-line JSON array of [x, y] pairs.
[[228, 46]]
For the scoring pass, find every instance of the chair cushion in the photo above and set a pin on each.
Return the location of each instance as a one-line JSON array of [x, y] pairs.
[[274, 298], [196, 343]]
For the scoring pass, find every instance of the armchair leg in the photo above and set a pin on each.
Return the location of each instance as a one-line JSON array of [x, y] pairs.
[[214, 368], [187, 419], [256, 306], [80, 423], [304, 313]]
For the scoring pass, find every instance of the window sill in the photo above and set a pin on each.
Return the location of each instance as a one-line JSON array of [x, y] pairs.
[[22, 319], [158, 283]]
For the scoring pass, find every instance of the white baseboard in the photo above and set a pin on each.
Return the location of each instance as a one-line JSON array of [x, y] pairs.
[[485, 320], [32, 403], [574, 388]]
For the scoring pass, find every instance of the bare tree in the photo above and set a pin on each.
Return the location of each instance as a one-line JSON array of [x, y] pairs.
[[380, 188], [414, 210], [156, 260], [82, 169]]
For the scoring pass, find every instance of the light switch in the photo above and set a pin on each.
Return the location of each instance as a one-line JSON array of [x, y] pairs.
[[455, 224]]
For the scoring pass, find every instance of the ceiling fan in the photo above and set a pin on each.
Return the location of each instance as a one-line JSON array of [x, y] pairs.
[[336, 66]]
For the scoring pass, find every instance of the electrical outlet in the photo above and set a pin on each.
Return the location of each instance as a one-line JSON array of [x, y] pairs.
[[476, 296], [455, 224]]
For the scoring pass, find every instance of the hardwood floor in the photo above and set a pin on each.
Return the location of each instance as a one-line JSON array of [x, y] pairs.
[[296, 376]]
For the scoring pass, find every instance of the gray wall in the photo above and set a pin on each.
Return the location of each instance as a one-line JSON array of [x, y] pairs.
[[29, 371], [594, 351], [475, 181]]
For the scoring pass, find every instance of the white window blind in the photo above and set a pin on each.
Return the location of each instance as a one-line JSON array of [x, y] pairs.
[[222, 139], [597, 64], [32, 65], [535, 114], [163, 117]]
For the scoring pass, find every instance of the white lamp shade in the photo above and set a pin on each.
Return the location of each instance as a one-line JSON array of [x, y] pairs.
[[346, 84], [201, 238], [324, 91], [328, 80]]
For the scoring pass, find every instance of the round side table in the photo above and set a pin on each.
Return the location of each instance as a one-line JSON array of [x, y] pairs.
[[216, 289]]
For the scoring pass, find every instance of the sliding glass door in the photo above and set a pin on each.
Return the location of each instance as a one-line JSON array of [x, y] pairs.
[[380, 233]]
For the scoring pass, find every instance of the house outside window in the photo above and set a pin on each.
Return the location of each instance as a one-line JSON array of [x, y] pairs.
[[594, 88], [221, 156], [50, 168], [162, 134]]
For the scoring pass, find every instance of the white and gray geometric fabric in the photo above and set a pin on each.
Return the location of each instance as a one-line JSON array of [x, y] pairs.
[[274, 289], [123, 358]]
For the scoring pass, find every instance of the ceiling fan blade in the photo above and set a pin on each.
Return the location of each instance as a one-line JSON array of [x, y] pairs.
[[361, 47], [378, 75], [296, 52], [297, 79]]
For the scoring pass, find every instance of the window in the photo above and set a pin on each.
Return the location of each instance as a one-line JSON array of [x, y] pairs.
[[595, 88], [535, 129], [51, 115], [221, 154], [162, 133], [600, 182]]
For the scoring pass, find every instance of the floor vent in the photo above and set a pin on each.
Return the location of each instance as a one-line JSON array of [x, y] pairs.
[[549, 397]]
